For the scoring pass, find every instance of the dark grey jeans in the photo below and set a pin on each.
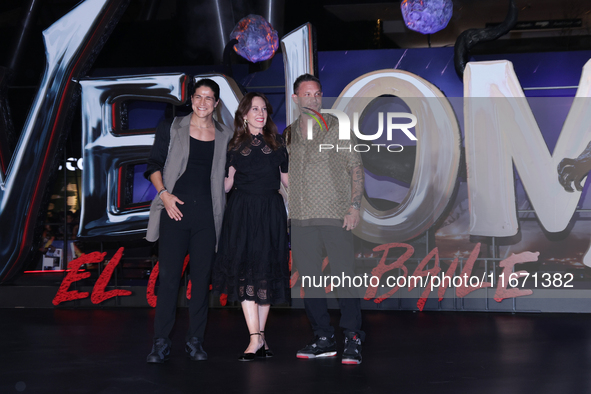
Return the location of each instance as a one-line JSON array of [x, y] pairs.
[[307, 246]]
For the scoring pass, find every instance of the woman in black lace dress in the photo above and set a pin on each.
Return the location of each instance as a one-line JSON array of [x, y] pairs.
[[252, 260]]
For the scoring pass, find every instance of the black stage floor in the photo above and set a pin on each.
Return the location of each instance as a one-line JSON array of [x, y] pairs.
[[104, 351]]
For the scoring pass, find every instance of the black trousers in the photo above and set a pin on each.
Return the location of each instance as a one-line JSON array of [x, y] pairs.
[[194, 233], [307, 251]]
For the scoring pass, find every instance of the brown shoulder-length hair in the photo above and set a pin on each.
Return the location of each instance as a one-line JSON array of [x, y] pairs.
[[242, 134]]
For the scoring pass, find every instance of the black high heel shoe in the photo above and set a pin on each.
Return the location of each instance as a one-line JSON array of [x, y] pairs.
[[266, 352], [252, 356]]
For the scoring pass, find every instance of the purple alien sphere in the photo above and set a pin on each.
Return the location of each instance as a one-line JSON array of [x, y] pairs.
[[257, 41], [426, 16]]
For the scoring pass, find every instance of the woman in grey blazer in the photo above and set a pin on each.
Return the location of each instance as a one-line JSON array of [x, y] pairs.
[[187, 167]]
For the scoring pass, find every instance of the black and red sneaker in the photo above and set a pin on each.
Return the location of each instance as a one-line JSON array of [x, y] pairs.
[[352, 352], [319, 347]]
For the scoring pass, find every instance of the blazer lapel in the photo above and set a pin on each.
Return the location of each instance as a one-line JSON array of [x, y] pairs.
[[184, 135], [220, 145]]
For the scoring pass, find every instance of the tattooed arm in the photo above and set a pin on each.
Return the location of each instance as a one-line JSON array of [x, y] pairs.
[[352, 216]]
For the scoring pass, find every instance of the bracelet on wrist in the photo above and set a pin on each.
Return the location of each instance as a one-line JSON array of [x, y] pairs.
[[162, 191]]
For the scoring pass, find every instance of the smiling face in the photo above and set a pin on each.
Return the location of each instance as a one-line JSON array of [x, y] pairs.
[[257, 115], [309, 95], [203, 102]]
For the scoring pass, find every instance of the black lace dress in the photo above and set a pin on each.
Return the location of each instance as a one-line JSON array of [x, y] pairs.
[[253, 251]]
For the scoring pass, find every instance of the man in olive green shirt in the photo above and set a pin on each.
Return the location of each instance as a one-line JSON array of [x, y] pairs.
[[324, 200]]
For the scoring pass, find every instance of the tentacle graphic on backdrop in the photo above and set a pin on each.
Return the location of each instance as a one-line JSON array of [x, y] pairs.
[[471, 37]]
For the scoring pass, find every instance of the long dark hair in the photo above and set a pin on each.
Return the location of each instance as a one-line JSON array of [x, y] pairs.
[[242, 134]]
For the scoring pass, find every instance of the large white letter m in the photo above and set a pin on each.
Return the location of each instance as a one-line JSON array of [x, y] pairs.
[[500, 131]]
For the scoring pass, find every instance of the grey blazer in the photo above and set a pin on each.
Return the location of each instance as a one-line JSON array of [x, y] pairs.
[[176, 163]]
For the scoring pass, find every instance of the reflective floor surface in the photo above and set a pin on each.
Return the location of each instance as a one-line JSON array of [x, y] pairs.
[[104, 351]]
